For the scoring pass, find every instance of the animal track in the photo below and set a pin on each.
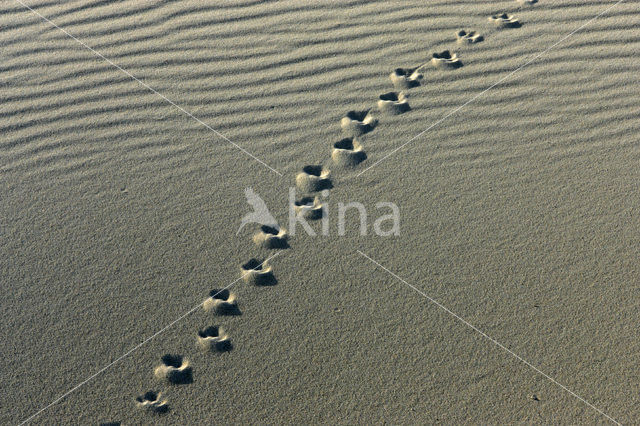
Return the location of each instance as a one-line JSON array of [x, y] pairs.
[[357, 123], [153, 402], [271, 238], [348, 152], [445, 60], [393, 103], [308, 208], [221, 302], [405, 78], [214, 339], [175, 369], [468, 37], [258, 273], [313, 178], [504, 20]]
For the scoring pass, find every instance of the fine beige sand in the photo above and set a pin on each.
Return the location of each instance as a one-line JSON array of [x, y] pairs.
[[519, 213]]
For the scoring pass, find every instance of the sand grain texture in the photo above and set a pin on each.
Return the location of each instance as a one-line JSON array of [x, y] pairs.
[[519, 213]]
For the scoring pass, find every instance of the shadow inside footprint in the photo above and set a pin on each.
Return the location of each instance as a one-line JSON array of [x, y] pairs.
[[348, 152], [313, 179], [271, 238], [357, 123], [468, 37], [445, 59], [309, 208], [175, 369], [393, 103], [504, 20], [152, 401], [214, 339], [258, 273], [405, 78], [222, 302]]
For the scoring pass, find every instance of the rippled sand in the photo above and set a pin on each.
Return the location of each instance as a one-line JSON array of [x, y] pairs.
[[119, 211]]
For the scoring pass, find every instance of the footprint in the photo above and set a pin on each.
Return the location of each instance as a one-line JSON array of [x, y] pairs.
[[308, 208], [258, 273], [393, 103], [271, 238], [357, 123], [153, 402], [504, 20], [405, 78], [468, 37], [221, 302], [214, 339], [527, 2], [313, 178], [174, 369], [348, 152], [445, 60]]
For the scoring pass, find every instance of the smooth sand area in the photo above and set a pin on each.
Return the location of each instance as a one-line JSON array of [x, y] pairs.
[[119, 212]]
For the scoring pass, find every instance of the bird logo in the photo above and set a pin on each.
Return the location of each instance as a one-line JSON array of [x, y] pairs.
[[260, 213]]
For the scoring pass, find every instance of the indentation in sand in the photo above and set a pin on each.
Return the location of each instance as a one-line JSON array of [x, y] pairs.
[[174, 369], [393, 103], [445, 60], [505, 20], [214, 339], [313, 178], [357, 123], [308, 208], [153, 402], [258, 273], [271, 238], [405, 78], [348, 152], [221, 302], [468, 37]]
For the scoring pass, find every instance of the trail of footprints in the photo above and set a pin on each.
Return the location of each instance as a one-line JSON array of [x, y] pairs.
[[346, 152]]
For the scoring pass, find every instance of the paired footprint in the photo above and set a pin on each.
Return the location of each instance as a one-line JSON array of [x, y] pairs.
[[406, 78], [153, 402], [393, 103], [221, 302], [214, 339], [505, 20], [174, 369], [445, 59], [309, 208], [469, 37], [258, 273], [357, 123], [313, 179], [348, 152], [270, 237]]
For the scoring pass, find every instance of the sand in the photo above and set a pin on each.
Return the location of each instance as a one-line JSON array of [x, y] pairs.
[[119, 212]]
